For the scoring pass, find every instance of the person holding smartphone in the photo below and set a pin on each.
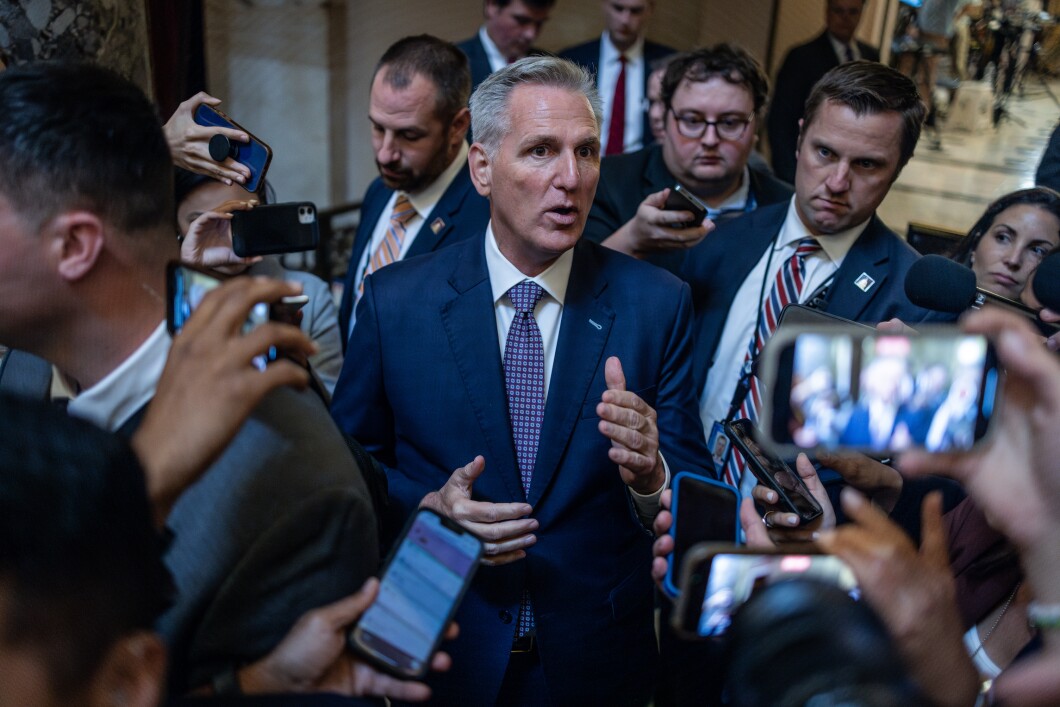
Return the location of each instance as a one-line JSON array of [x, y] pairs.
[[714, 98]]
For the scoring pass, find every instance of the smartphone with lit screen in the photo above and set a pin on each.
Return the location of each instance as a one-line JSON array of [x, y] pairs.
[[844, 388], [426, 576]]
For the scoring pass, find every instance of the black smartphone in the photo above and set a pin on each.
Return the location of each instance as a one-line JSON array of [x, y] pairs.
[[844, 388], [681, 199], [718, 579], [425, 578], [703, 510], [256, 155], [799, 315], [275, 228], [772, 472]]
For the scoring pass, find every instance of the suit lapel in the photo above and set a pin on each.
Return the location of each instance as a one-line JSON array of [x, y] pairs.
[[585, 328], [439, 223], [863, 273], [468, 320]]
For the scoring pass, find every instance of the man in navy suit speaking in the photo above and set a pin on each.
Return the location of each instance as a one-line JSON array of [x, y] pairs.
[[527, 352]]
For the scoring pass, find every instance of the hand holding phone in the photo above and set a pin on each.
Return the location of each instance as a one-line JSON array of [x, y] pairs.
[[426, 576], [189, 141], [254, 154], [773, 473], [703, 510], [680, 199]]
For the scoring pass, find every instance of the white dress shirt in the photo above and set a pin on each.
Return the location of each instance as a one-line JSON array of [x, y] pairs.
[[840, 49], [607, 75], [423, 202], [743, 314], [126, 389], [497, 60], [549, 314]]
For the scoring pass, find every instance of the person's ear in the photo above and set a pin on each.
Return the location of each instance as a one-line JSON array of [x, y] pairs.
[[76, 242], [132, 673], [458, 128], [481, 169]]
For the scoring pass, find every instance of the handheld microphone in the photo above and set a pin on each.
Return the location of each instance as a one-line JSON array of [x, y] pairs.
[[937, 283], [1046, 284]]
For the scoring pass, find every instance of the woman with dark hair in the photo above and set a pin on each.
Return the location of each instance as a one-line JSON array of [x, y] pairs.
[[1011, 239], [204, 206]]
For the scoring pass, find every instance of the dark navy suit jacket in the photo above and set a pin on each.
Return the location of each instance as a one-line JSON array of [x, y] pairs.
[[479, 61], [587, 55], [460, 213], [803, 66], [717, 267], [427, 394]]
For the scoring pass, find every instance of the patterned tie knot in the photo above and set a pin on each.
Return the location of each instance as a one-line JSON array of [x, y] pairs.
[[807, 246], [525, 295], [403, 210]]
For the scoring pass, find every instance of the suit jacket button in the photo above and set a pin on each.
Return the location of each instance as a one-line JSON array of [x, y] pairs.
[[506, 616]]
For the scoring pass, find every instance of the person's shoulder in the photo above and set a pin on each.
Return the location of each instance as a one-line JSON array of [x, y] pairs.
[[586, 52], [654, 50], [631, 164], [471, 44], [808, 48], [769, 189], [376, 190], [629, 269]]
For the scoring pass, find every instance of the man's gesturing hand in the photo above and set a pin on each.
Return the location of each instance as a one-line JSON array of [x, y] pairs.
[[630, 424], [504, 527]]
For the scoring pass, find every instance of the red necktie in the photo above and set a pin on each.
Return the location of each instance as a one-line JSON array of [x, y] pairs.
[[616, 131]]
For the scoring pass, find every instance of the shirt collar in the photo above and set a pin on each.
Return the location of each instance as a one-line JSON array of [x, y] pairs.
[[497, 60], [840, 49], [738, 199], [126, 389], [425, 200], [835, 245], [609, 52], [504, 276]]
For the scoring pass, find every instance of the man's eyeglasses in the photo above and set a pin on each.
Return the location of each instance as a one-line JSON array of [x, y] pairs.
[[730, 126]]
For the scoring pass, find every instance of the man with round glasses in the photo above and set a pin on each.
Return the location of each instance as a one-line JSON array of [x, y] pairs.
[[714, 100]]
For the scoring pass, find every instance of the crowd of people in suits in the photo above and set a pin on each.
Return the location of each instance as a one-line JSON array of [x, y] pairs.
[[532, 340]]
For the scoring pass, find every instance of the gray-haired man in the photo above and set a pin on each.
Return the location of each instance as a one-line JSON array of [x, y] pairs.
[[567, 463]]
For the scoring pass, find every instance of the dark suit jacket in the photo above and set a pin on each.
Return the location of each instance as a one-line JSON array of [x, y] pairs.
[[717, 267], [281, 523], [588, 55], [427, 394], [480, 63], [803, 66], [461, 213], [626, 179]]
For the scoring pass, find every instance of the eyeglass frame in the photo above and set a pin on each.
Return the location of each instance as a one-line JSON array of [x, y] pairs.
[[746, 121]]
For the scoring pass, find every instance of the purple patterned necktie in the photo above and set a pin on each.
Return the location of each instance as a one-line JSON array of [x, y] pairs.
[[524, 379]]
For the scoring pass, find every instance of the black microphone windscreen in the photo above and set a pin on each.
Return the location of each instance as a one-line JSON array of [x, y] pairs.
[[1046, 284], [940, 284]]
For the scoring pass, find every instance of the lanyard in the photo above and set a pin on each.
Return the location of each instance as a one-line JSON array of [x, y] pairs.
[[818, 300]]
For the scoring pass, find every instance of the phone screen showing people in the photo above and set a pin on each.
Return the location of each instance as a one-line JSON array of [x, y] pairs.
[[704, 511], [885, 394], [775, 474], [186, 289], [418, 594], [733, 578]]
